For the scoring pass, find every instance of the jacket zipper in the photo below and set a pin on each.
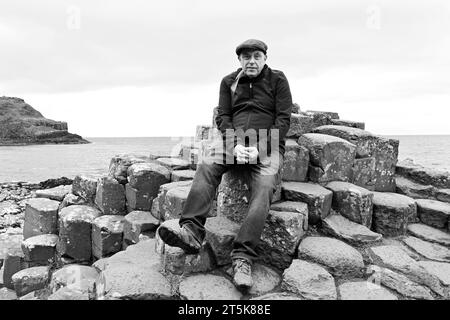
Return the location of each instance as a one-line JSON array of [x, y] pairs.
[[249, 114]]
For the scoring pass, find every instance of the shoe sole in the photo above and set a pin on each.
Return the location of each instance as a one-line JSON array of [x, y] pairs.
[[172, 239]]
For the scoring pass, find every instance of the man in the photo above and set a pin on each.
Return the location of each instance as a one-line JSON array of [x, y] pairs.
[[254, 111]]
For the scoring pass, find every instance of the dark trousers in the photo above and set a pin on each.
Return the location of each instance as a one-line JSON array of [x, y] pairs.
[[263, 177]]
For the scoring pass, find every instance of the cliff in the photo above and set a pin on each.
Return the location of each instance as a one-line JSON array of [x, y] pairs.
[[21, 124]]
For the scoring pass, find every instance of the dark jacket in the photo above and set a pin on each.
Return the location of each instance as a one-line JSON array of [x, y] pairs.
[[263, 102]]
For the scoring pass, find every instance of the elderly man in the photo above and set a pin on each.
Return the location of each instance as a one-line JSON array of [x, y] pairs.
[[253, 116]]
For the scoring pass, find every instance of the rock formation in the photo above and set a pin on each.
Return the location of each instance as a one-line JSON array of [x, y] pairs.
[[358, 226], [21, 124]]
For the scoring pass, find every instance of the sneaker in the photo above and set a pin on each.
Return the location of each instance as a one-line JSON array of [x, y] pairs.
[[242, 269], [182, 238]]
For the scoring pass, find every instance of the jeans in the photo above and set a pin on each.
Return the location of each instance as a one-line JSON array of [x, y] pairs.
[[263, 178]]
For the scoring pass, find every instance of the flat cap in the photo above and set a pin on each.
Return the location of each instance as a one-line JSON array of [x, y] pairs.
[[251, 44]]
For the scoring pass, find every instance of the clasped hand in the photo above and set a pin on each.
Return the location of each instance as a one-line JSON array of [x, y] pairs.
[[245, 154]]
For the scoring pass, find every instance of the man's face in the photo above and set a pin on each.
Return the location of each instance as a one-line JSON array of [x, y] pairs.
[[252, 62]]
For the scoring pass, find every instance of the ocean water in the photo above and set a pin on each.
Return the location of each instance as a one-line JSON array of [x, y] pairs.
[[41, 162]]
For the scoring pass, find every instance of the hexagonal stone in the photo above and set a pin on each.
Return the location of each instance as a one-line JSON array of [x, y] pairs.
[[299, 125], [293, 206], [70, 200], [182, 175], [395, 258], [351, 201], [9, 242], [233, 195], [348, 123], [423, 175], [364, 173], [120, 163], [174, 202], [110, 196], [295, 163], [412, 189], [331, 158], [159, 203], [309, 280], [107, 235], [208, 287], [392, 212], [176, 261], [40, 249], [12, 263], [148, 177], [220, 234], [385, 152], [75, 232], [344, 229], [264, 278], [85, 186], [429, 234], [398, 283], [137, 222], [57, 193], [427, 249], [440, 270], [433, 213], [31, 279], [442, 195], [133, 274], [137, 199], [75, 277], [316, 197], [364, 290], [41, 217], [338, 257], [281, 235], [174, 163]]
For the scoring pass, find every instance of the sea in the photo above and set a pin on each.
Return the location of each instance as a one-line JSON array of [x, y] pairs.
[[36, 163]]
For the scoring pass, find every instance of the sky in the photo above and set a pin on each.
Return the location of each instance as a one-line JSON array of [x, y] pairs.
[[153, 68]]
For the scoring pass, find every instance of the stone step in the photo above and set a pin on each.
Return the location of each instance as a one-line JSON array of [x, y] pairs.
[[348, 123], [434, 213], [182, 175], [315, 196], [384, 151], [363, 290], [174, 163], [353, 202], [107, 235], [75, 232], [392, 212], [171, 206], [136, 223], [398, 282], [30, 279], [295, 163], [309, 280], [85, 186], [76, 277], [336, 256], [441, 271], [356, 234], [413, 189], [208, 287], [423, 175], [430, 234], [56, 193], [427, 249], [394, 258], [110, 196], [120, 163], [41, 217], [331, 158], [40, 250]]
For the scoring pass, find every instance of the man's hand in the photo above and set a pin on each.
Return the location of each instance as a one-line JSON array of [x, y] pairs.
[[245, 155]]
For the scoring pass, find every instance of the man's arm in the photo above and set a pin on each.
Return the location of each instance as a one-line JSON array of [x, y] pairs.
[[283, 110]]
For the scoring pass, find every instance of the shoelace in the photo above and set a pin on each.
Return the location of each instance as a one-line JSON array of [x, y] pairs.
[[243, 266]]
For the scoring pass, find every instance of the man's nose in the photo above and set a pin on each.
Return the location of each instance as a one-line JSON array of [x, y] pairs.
[[252, 60]]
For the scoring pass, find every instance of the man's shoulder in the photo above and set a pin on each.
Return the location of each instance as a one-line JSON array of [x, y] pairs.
[[278, 74], [229, 78]]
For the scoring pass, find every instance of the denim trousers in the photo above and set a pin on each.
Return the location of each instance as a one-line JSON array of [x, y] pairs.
[[263, 176]]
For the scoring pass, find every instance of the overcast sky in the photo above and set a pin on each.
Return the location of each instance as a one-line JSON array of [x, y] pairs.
[[153, 68]]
